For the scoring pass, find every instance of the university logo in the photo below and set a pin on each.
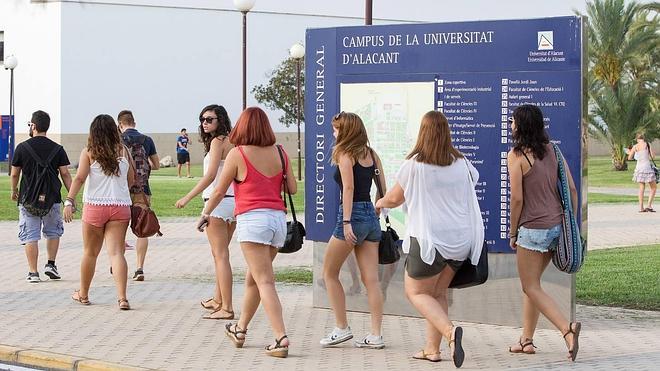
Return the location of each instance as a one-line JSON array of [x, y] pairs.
[[545, 40]]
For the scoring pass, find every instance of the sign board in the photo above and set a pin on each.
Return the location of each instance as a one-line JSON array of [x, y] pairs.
[[4, 137]]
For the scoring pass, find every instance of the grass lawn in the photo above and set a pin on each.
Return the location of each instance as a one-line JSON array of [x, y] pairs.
[[601, 173], [604, 198], [624, 277]]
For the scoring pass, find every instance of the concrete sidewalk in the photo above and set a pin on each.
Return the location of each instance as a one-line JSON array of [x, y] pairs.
[[165, 330]]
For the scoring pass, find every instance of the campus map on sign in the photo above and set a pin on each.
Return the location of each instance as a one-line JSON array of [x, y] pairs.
[[391, 113]]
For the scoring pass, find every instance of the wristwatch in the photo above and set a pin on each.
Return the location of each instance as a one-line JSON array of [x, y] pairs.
[[68, 203]]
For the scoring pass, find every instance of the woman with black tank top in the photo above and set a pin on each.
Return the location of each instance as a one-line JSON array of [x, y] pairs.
[[536, 214], [357, 228]]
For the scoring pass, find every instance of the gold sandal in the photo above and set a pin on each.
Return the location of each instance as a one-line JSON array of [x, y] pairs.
[[233, 334], [211, 304], [427, 356], [279, 350], [84, 300]]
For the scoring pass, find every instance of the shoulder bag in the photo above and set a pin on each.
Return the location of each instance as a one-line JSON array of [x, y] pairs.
[[569, 255], [469, 274], [295, 231], [388, 248], [654, 167]]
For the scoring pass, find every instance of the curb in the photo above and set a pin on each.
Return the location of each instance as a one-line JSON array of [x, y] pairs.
[[56, 361]]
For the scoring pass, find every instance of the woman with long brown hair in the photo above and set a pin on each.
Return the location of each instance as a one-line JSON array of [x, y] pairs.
[[357, 229], [444, 228], [214, 128], [106, 170]]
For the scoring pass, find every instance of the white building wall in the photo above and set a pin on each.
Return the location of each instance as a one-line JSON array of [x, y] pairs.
[[32, 34]]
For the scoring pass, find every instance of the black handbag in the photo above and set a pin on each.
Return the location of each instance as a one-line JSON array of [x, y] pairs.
[[654, 167], [469, 275], [295, 231], [388, 248]]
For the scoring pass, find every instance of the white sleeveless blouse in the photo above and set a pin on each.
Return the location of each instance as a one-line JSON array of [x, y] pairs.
[[104, 190]]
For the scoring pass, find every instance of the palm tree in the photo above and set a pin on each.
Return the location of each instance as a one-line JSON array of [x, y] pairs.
[[623, 72]]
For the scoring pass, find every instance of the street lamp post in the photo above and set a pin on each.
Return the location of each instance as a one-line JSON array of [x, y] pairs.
[[369, 5], [297, 52], [244, 6], [10, 63]]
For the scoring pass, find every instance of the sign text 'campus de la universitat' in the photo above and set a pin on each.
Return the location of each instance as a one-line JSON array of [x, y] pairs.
[[477, 73]]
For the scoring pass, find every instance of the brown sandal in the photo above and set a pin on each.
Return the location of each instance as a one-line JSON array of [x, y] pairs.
[[574, 328], [524, 343], [123, 304], [233, 334], [230, 314], [279, 350], [84, 300], [211, 304], [427, 356]]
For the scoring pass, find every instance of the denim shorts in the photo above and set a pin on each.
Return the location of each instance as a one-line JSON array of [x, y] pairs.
[[224, 210], [541, 240], [364, 222], [30, 227], [264, 226]]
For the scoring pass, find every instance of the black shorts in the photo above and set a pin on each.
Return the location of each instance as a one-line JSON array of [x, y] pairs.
[[418, 269], [182, 158]]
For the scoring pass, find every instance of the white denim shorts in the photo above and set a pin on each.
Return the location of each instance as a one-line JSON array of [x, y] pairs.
[[224, 210], [264, 226]]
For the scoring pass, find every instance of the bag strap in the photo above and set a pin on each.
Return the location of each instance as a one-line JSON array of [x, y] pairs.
[[648, 148], [377, 181], [562, 180], [286, 187], [39, 160]]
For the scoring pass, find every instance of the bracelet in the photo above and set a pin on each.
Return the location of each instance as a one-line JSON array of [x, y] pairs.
[[346, 222], [513, 236]]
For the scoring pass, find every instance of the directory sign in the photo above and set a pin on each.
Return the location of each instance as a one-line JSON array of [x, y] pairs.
[[476, 73]]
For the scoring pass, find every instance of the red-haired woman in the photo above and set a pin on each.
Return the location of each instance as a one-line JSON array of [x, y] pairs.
[[255, 169]]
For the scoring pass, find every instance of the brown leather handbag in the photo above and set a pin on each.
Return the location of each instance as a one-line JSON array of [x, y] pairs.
[[144, 222]]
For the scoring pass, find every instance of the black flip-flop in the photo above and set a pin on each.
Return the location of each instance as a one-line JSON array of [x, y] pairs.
[[643, 211], [650, 210], [459, 353]]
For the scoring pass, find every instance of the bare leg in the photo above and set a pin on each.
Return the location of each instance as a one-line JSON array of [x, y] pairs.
[[141, 251], [92, 243], [52, 246], [32, 254], [530, 320], [115, 237], [188, 168], [421, 294], [219, 233], [653, 187], [335, 255], [367, 258], [355, 277], [640, 195], [178, 170], [259, 259]]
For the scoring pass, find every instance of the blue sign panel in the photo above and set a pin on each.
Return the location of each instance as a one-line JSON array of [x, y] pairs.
[[474, 72], [4, 137]]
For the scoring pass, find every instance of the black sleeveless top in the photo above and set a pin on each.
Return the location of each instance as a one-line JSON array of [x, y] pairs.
[[362, 178]]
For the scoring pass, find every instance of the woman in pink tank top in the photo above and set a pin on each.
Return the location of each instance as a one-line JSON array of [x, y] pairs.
[[255, 169], [535, 223]]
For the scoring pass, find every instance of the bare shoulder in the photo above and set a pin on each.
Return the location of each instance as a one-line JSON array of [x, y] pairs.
[[513, 156]]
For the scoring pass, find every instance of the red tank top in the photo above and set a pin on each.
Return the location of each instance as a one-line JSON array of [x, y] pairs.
[[258, 191]]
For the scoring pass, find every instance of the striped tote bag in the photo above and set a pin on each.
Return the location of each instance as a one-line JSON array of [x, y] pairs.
[[571, 250]]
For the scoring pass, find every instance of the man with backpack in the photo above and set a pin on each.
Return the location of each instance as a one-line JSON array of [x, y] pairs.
[[39, 160], [145, 158]]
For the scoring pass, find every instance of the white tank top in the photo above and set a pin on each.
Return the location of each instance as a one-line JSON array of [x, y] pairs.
[[101, 189], [643, 161], [209, 190]]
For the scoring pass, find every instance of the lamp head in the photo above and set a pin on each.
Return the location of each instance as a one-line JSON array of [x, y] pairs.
[[11, 62], [244, 5], [297, 51]]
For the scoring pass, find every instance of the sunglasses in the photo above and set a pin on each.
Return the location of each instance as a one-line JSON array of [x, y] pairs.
[[337, 116], [207, 120]]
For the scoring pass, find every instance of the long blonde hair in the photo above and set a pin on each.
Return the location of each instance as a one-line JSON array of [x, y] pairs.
[[434, 141], [352, 137]]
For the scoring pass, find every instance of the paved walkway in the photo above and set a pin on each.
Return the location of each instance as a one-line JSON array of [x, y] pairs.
[[165, 330]]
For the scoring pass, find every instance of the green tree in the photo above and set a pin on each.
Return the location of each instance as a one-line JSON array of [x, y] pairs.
[[280, 92], [623, 73]]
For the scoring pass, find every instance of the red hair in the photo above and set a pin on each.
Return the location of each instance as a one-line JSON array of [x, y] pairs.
[[252, 129]]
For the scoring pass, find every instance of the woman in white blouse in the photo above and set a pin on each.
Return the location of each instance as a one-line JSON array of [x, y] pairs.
[[434, 185]]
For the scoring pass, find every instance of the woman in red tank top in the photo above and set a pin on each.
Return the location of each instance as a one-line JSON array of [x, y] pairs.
[[255, 168]]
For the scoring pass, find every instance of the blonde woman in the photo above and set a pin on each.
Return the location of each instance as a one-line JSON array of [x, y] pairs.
[[357, 229], [643, 171], [444, 228]]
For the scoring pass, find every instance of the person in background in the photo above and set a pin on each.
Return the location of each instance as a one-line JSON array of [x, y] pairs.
[[145, 159], [30, 227], [182, 153], [257, 168], [644, 173], [214, 128], [444, 227], [357, 229], [535, 223], [106, 170]]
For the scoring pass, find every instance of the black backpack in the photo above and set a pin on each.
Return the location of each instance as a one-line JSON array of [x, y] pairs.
[[43, 184]]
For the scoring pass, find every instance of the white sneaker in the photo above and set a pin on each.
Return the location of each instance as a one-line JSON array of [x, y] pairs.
[[337, 336], [371, 341], [33, 277]]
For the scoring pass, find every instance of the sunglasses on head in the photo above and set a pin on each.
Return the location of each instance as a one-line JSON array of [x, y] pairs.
[[208, 120], [337, 116]]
